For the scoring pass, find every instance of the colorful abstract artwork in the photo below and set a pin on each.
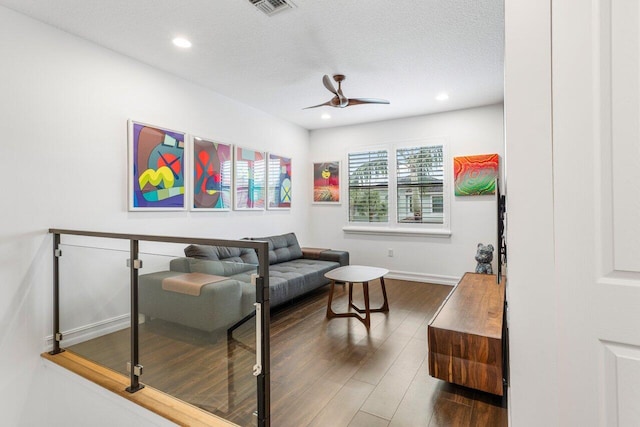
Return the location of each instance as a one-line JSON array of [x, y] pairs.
[[326, 182], [156, 168], [475, 175], [279, 182], [249, 172], [212, 166]]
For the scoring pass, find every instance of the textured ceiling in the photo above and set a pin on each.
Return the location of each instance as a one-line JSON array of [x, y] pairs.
[[406, 51]]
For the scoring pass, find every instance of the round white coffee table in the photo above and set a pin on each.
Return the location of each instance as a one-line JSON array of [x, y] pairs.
[[357, 274]]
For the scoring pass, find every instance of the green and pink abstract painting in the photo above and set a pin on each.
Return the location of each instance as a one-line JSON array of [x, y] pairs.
[[475, 175]]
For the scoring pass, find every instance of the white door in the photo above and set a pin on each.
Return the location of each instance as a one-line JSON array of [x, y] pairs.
[[596, 181]]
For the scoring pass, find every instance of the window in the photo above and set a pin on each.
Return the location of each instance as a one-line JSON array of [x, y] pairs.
[[419, 184], [410, 190], [368, 187]]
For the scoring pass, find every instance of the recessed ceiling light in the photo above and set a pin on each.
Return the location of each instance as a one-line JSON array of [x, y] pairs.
[[182, 42], [442, 97], [325, 116]]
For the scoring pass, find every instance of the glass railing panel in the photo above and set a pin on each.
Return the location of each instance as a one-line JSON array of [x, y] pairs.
[[187, 305], [95, 300]]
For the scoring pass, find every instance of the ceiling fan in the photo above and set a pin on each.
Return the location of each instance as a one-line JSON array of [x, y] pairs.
[[341, 101]]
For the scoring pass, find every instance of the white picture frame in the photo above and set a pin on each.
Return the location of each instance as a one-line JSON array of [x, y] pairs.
[[279, 182], [157, 168], [249, 179]]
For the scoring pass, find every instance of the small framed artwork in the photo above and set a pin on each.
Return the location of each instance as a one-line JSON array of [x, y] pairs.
[[475, 175], [326, 182], [212, 175], [278, 182], [249, 179], [156, 168]]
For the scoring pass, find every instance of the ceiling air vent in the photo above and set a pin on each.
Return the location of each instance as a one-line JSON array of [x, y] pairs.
[[270, 7]]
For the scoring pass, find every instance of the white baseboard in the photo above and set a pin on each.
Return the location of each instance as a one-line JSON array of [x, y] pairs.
[[422, 277], [88, 332]]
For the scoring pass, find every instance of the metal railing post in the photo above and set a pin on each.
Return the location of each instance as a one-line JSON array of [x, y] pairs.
[[135, 369], [57, 336], [264, 378]]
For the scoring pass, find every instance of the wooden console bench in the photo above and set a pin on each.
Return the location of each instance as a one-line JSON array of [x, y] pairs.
[[466, 335]]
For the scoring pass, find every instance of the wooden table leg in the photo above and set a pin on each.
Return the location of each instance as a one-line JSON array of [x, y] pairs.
[[385, 305], [367, 316], [366, 320], [330, 312]]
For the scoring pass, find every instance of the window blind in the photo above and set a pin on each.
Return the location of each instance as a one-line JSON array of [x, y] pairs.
[[419, 184], [368, 186]]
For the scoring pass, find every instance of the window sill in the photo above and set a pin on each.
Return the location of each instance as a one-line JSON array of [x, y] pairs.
[[358, 229]]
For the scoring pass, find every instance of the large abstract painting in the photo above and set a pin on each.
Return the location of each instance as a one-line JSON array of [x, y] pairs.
[[279, 182], [212, 165], [326, 182], [475, 175], [156, 168], [249, 183]]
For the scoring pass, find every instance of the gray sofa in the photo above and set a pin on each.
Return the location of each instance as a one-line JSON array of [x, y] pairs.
[[220, 305]]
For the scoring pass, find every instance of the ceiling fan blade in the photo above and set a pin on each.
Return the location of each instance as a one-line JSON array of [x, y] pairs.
[[319, 105], [326, 80], [358, 101]]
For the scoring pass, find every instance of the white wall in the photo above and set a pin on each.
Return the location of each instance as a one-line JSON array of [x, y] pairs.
[[531, 287], [473, 219], [64, 106], [61, 398]]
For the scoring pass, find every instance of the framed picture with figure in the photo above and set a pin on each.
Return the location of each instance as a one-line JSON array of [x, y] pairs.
[[326, 182]]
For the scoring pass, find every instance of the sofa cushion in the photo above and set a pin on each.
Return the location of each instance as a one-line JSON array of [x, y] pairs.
[[291, 279], [341, 257], [222, 253], [219, 268], [282, 248]]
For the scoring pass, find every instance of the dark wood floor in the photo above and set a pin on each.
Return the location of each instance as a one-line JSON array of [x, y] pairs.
[[323, 373]]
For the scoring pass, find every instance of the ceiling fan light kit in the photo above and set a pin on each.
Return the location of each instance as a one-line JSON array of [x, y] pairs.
[[341, 101]]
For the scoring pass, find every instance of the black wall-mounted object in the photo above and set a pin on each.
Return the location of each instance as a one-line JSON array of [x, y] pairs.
[[501, 202]]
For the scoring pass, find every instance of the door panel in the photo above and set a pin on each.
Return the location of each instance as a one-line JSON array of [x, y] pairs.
[[596, 139], [622, 29], [622, 383]]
